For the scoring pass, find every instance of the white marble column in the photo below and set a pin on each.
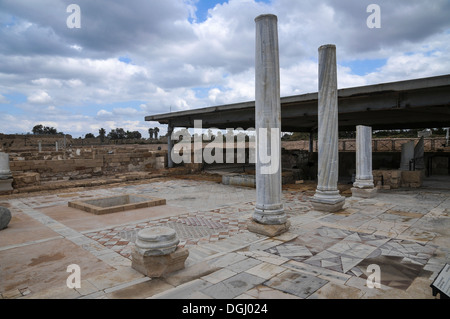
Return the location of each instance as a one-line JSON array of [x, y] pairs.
[[327, 197], [363, 185], [269, 217], [169, 146]]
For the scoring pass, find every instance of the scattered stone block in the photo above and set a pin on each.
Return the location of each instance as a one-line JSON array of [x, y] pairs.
[[112, 204], [412, 178], [267, 230]]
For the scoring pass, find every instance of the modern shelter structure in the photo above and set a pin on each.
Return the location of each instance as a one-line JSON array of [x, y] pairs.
[[418, 103]]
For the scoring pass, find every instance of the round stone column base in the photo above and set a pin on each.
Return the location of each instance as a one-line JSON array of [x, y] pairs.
[[324, 202], [270, 215], [363, 192]]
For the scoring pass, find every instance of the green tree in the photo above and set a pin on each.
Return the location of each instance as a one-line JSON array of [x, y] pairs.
[[89, 135], [45, 130], [133, 135], [38, 129], [156, 131], [102, 134], [117, 134]]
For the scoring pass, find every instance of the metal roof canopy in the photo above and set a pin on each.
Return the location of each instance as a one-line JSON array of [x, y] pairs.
[[419, 103]]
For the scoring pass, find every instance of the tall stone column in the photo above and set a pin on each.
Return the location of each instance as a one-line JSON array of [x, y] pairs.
[[169, 146], [363, 185], [269, 217], [327, 197]]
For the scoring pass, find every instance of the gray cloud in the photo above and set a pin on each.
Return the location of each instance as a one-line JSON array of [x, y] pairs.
[[173, 59]]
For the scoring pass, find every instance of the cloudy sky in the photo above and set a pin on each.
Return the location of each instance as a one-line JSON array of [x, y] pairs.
[[135, 58]]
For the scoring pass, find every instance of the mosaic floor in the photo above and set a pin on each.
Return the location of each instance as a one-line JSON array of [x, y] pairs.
[[352, 252], [192, 229], [323, 255]]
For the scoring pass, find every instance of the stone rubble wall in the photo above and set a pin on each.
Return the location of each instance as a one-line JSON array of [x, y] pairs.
[[387, 179], [32, 168]]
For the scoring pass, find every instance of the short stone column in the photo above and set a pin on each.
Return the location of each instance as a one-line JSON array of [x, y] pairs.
[[156, 254], [327, 197], [269, 217], [39, 146], [363, 185], [6, 178], [407, 155]]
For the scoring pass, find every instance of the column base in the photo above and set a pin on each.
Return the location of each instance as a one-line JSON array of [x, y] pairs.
[[271, 216], [268, 230], [158, 266], [6, 186], [363, 192], [363, 183], [327, 201]]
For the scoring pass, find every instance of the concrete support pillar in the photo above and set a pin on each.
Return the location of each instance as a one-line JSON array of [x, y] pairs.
[[169, 146], [419, 152], [269, 217], [327, 197], [407, 155], [363, 185]]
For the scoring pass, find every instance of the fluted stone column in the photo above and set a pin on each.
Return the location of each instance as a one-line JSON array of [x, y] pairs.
[[169, 146], [269, 217], [327, 197], [363, 185]]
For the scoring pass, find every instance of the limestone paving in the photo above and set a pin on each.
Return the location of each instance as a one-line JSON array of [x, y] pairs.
[[322, 255]]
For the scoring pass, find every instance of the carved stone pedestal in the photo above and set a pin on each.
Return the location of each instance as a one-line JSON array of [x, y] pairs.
[[156, 253], [158, 266]]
